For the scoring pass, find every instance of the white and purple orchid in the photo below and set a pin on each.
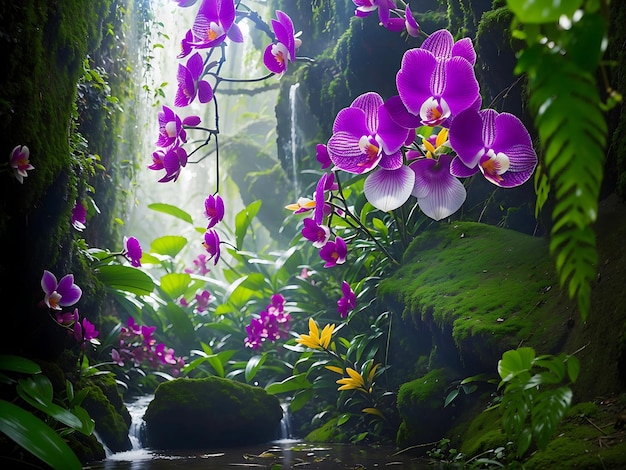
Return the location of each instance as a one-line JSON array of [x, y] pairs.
[[365, 137], [214, 22], [436, 81], [63, 293], [495, 143], [278, 54]]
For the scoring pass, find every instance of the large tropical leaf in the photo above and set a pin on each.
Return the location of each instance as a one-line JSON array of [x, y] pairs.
[[36, 437], [125, 278], [171, 210], [169, 245]]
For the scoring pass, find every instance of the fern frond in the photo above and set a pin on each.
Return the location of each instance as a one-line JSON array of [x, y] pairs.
[[573, 133]]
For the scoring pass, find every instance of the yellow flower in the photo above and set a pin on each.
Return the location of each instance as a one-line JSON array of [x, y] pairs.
[[314, 340], [440, 141], [355, 381], [302, 205]]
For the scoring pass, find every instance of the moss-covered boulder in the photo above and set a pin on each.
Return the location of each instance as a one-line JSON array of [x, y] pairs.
[[105, 406], [210, 412], [480, 290], [420, 404]]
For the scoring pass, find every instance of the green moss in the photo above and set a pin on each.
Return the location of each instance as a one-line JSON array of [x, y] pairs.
[[110, 424], [494, 288], [187, 413], [587, 409], [420, 404], [483, 433]]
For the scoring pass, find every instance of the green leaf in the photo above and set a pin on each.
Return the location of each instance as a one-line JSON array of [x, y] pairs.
[[169, 245], [300, 398], [451, 396], [253, 366], [515, 362], [171, 210], [543, 11], [125, 278], [245, 288], [175, 284], [35, 436], [343, 419], [549, 409], [294, 382], [18, 364], [243, 220], [181, 324], [573, 368]]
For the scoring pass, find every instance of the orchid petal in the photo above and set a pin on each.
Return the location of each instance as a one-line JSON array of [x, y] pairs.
[[389, 189], [439, 194]]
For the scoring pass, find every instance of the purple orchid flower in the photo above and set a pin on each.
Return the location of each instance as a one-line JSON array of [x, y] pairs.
[[365, 8], [62, 294], [439, 194], [174, 160], [322, 208], [278, 54], [190, 83], [79, 216], [185, 3], [85, 331], [410, 23], [132, 251], [214, 209], [436, 82], [495, 143], [202, 300], [334, 253], [212, 245], [214, 22], [316, 233], [365, 137], [67, 318], [20, 163], [347, 303], [171, 127], [321, 154]]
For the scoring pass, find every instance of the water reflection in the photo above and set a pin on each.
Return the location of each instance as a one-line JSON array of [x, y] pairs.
[[281, 454]]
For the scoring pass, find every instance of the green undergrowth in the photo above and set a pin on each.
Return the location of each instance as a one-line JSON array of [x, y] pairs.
[[494, 288]]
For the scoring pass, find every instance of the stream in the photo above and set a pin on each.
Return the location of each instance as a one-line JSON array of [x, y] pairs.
[[283, 453]]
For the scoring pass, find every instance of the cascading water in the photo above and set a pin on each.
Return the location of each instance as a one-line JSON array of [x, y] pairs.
[[286, 433], [136, 409], [293, 98]]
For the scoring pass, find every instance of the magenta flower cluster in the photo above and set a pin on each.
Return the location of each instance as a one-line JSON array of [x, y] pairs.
[[271, 324], [138, 347]]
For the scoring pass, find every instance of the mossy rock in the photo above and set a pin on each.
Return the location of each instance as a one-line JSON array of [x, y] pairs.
[[420, 404], [112, 419], [489, 288], [484, 433], [210, 412]]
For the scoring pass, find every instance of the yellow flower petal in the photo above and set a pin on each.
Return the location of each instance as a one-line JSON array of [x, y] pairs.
[[442, 137], [336, 369], [373, 411]]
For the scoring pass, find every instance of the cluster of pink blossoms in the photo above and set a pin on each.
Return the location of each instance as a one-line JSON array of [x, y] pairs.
[[271, 325], [139, 347]]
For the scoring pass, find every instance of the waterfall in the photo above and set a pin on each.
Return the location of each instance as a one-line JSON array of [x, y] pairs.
[[137, 409], [286, 432], [294, 136]]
